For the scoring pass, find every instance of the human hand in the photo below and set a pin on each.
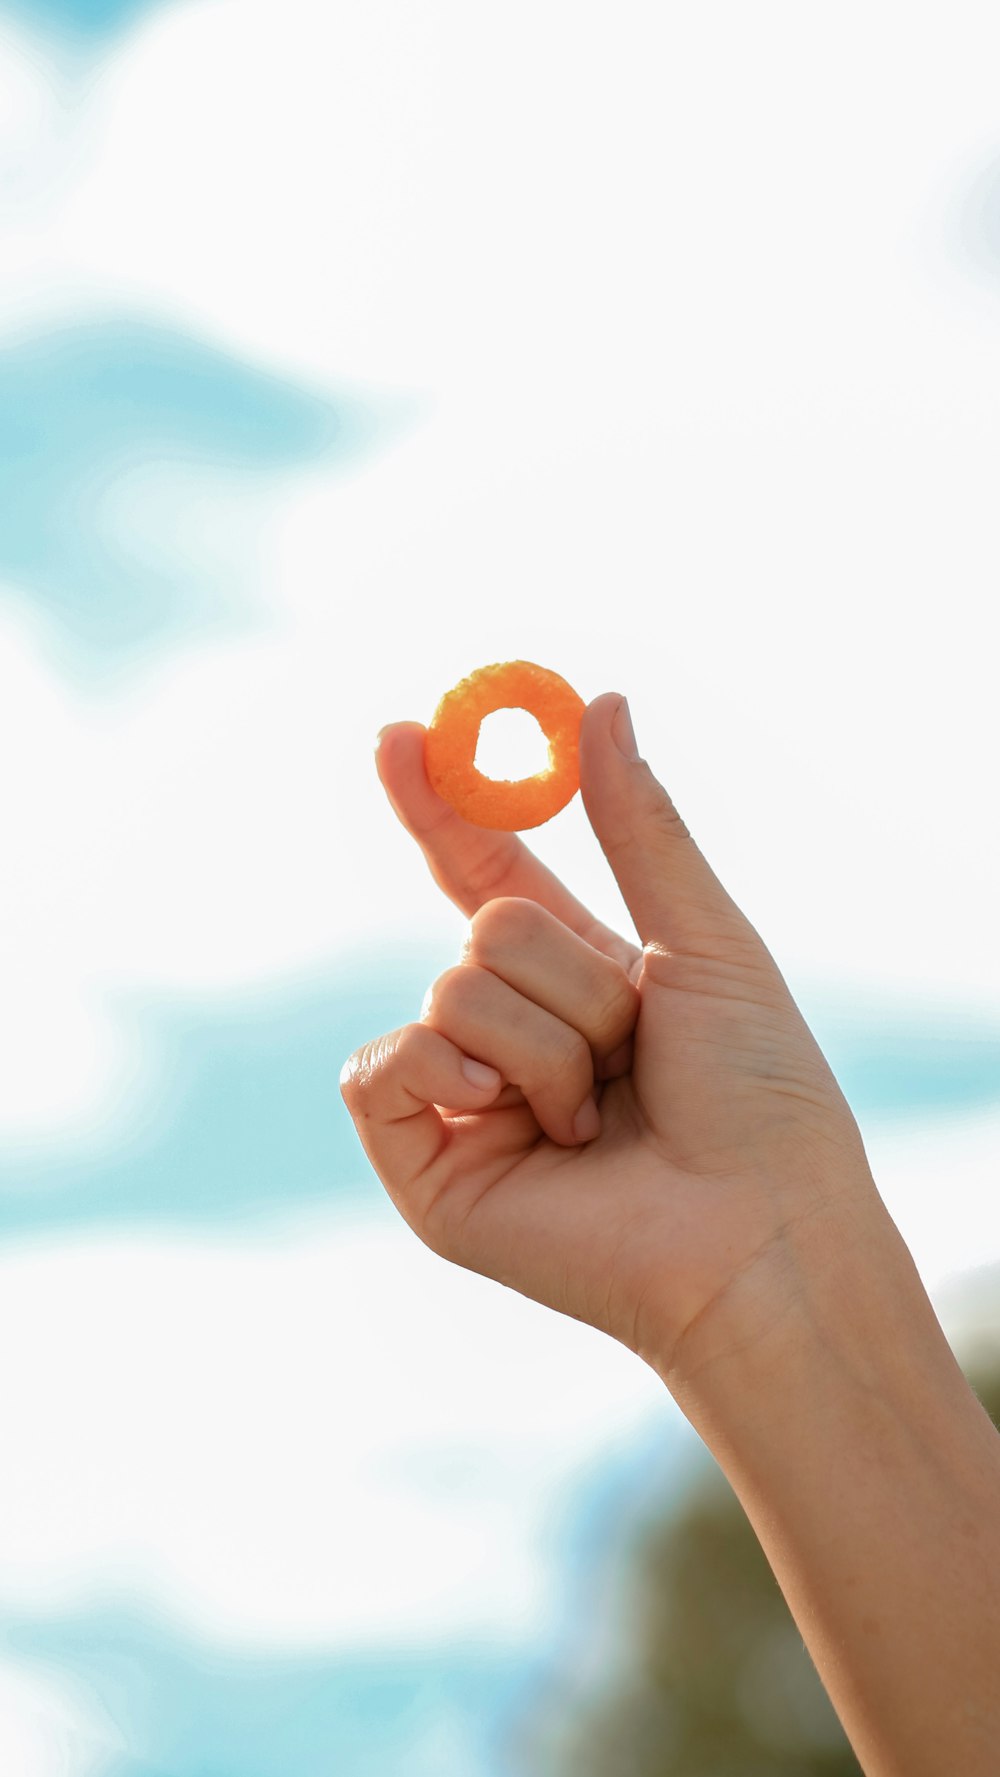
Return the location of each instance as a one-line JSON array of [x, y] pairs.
[[720, 1156]]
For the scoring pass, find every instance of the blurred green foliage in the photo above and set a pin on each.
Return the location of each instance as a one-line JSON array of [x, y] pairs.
[[711, 1677]]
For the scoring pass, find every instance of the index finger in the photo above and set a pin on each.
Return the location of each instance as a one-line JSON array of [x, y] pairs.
[[476, 864]]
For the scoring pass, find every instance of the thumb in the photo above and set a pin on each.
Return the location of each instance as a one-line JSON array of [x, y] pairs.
[[675, 898]]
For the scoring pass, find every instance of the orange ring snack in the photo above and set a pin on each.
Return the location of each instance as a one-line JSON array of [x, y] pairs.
[[450, 747]]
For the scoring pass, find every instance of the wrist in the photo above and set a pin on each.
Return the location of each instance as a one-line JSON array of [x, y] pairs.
[[840, 1293], [870, 1474]]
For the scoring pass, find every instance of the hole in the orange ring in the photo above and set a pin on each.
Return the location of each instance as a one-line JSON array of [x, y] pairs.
[[511, 745]]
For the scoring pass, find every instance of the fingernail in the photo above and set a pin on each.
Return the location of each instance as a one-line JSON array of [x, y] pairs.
[[587, 1122], [478, 1074], [622, 732]]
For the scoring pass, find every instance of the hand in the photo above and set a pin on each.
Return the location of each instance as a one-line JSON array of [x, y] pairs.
[[649, 1140]]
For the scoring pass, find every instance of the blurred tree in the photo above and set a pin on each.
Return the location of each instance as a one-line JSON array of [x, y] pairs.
[[715, 1679]]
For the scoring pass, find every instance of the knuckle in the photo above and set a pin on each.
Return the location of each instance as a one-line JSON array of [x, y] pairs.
[[566, 1063], [401, 1046], [719, 964], [497, 924], [661, 812], [615, 1004], [440, 993], [361, 1069], [454, 989], [491, 869], [653, 818]]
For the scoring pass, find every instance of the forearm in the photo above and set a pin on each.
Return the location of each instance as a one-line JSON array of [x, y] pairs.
[[871, 1475]]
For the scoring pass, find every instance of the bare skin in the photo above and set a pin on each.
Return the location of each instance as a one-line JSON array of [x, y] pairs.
[[650, 1140], [721, 1127]]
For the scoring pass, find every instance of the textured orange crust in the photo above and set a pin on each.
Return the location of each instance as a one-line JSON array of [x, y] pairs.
[[452, 738]]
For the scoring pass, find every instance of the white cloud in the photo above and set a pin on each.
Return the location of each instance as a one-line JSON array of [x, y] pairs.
[[30, 127], [47, 1732], [939, 1179], [203, 828], [329, 1437], [714, 424]]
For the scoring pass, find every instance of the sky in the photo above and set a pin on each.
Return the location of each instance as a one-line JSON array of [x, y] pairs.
[[343, 349]]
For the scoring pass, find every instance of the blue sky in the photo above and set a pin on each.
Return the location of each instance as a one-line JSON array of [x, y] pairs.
[[239, 1121], [341, 350], [185, 1706], [442, 1708], [97, 21], [89, 407]]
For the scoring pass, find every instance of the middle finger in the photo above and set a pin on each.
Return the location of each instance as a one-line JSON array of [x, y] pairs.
[[547, 1059], [536, 954]]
